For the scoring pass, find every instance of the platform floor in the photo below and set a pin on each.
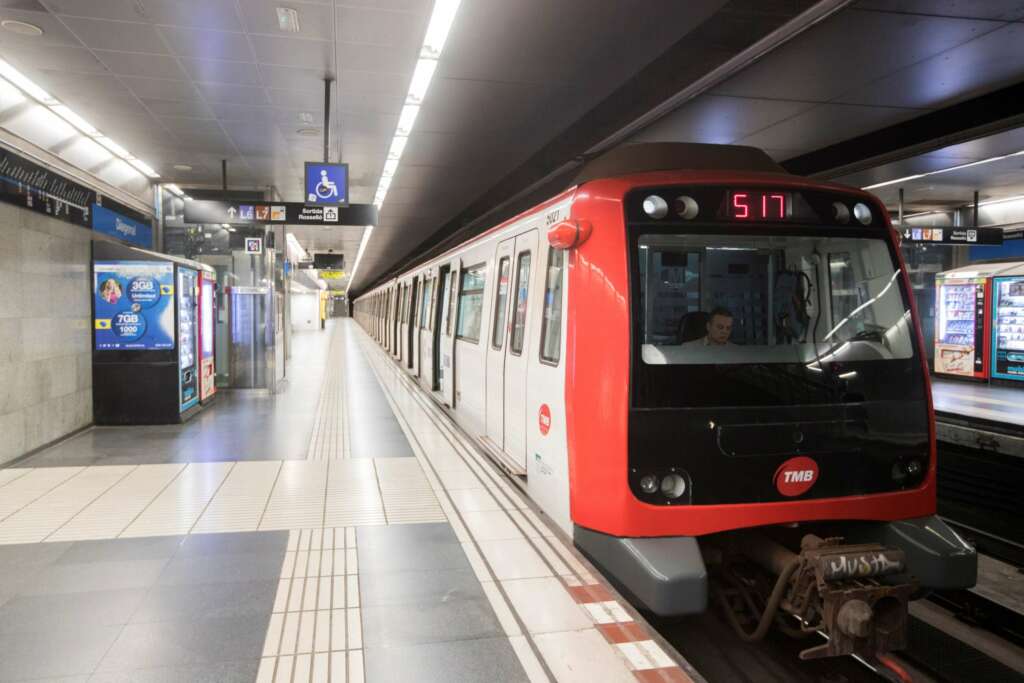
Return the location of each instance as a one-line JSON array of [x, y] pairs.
[[339, 531], [994, 403]]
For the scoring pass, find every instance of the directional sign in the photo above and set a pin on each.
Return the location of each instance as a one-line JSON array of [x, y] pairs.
[[292, 213], [253, 245], [326, 184], [953, 236]]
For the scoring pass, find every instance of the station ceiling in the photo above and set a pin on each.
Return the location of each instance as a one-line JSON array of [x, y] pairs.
[[521, 86]]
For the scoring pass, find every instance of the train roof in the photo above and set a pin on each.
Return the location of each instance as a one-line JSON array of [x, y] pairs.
[[676, 156]]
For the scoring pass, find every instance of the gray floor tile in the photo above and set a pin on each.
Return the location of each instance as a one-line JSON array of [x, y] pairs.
[[45, 613], [221, 569], [438, 532], [84, 577], [253, 599], [259, 542], [64, 652], [397, 588], [224, 672], [185, 643], [485, 660], [393, 558], [408, 624], [121, 549], [24, 555]]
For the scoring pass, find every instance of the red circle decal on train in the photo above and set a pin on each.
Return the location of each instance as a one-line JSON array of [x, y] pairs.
[[544, 419], [796, 476]]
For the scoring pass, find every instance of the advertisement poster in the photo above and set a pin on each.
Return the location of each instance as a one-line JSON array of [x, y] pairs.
[[134, 304]]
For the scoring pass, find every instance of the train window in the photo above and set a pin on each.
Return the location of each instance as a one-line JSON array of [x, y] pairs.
[[451, 305], [522, 297], [425, 303], [551, 322], [471, 303], [500, 304]]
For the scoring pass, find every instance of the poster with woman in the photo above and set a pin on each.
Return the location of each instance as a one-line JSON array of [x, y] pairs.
[[133, 304]]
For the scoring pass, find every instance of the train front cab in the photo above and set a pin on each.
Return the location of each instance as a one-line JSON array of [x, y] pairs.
[[817, 415]]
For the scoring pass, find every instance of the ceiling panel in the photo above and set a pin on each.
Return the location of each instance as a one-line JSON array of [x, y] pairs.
[[317, 54], [220, 71], [825, 124], [379, 59], [381, 27], [54, 31], [873, 44], [216, 14], [260, 16], [31, 58], [192, 109], [720, 119], [205, 44], [137, 64], [1003, 10], [161, 89], [373, 82], [479, 108], [293, 78], [109, 35], [234, 94]]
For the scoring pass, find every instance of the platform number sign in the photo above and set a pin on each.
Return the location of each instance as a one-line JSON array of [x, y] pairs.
[[326, 184], [253, 245]]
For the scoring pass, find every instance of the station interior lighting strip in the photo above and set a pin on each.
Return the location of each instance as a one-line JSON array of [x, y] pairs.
[[441, 19], [23, 83], [958, 167]]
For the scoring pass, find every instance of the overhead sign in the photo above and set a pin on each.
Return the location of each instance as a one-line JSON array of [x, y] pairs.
[[31, 186], [123, 228], [332, 274], [291, 213], [253, 245], [954, 236], [326, 184]]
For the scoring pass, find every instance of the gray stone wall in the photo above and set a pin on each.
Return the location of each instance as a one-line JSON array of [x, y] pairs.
[[45, 343]]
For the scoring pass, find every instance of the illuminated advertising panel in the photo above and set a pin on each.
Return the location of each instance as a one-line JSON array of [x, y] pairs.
[[133, 305]]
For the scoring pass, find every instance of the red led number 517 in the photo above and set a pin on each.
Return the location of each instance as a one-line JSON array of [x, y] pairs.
[[765, 206]]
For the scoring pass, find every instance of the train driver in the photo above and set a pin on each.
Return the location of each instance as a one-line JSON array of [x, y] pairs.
[[719, 329]]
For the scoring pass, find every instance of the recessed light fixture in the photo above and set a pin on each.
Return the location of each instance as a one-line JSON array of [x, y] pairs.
[[182, 167], [22, 28], [308, 132], [287, 20]]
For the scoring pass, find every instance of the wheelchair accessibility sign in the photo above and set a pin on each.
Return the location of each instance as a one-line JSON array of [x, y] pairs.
[[326, 184]]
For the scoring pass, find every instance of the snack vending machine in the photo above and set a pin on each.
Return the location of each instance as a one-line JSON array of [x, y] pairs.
[[207, 339], [962, 330], [188, 337], [1008, 326]]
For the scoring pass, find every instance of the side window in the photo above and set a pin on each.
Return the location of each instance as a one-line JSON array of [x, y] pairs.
[[433, 303], [522, 297], [500, 304], [551, 321], [425, 304], [471, 303], [452, 290]]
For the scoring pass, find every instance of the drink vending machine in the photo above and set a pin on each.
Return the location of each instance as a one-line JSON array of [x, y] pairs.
[[145, 336], [963, 331], [1008, 324], [207, 335]]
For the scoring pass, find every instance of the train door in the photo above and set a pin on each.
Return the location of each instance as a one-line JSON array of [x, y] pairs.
[[426, 332], [496, 345], [441, 312], [517, 354], [411, 332], [448, 378]]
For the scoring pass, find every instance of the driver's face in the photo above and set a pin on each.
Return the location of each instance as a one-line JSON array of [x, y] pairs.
[[719, 329]]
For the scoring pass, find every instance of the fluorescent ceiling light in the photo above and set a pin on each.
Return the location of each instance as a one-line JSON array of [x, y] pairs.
[[359, 255], [407, 119], [26, 85], [145, 168], [114, 147], [390, 168], [397, 147], [421, 81], [74, 119], [987, 202], [441, 20], [958, 167]]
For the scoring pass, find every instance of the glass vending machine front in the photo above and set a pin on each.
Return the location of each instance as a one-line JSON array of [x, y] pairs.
[[207, 311], [187, 342], [1008, 328], [959, 328]]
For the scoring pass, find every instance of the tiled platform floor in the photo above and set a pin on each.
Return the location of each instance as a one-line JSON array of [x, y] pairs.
[[403, 555]]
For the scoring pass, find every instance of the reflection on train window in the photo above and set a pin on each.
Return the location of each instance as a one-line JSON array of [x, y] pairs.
[[769, 299], [451, 304], [500, 304], [522, 294], [551, 322], [471, 303]]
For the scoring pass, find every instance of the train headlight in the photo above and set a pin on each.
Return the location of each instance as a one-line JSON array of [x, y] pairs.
[[655, 207], [862, 213], [686, 207], [673, 486], [649, 483], [840, 213]]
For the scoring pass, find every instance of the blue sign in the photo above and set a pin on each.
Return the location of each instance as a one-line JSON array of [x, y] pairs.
[[326, 184], [133, 303], [115, 225]]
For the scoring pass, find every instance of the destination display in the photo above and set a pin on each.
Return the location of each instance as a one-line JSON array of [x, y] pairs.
[[954, 236], [134, 305], [34, 187], [291, 213]]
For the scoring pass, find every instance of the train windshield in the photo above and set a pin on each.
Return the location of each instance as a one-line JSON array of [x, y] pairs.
[[768, 319]]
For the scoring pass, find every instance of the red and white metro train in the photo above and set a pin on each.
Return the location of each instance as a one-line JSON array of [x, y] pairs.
[[686, 346]]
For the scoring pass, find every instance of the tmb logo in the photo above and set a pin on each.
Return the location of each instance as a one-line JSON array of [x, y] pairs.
[[796, 476], [544, 419]]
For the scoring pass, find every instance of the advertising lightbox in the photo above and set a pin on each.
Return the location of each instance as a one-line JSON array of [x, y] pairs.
[[133, 305]]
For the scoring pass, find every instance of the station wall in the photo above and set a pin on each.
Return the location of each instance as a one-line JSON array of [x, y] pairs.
[[45, 343]]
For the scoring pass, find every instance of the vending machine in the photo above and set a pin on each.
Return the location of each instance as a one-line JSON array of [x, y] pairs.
[[1008, 324], [145, 313], [207, 335], [963, 303]]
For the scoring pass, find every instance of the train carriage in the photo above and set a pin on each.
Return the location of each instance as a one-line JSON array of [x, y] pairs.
[[703, 369]]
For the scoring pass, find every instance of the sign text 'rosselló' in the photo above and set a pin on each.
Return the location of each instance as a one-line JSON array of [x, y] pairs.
[[290, 213], [953, 236]]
